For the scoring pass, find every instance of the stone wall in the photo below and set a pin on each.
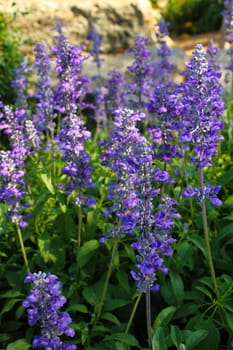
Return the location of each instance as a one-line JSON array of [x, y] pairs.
[[117, 21]]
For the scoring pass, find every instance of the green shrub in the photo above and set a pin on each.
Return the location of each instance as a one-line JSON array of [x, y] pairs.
[[193, 16], [9, 57]]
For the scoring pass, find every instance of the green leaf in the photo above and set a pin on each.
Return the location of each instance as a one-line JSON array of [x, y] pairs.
[[122, 346], [90, 296], [123, 338], [229, 318], [227, 177], [86, 252], [159, 341], [164, 317], [78, 307], [44, 241], [113, 304], [11, 294], [9, 305], [199, 243], [177, 286], [176, 335], [48, 182], [20, 344], [204, 291], [111, 317], [123, 279], [195, 338]]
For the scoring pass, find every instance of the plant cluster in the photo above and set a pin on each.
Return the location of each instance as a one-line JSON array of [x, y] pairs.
[[193, 16], [132, 217]]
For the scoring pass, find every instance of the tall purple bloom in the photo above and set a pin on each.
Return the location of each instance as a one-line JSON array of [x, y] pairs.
[[43, 305], [45, 114], [118, 155], [131, 158], [115, 95], [141, 70], [163, 68], [203, 106], [72, 137], [72, 87], [154, 225], [164, 106], [13, 187], [19, 83], [12, 165], [96, 39]]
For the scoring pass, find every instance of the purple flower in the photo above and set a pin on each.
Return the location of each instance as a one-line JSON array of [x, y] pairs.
[[19, 83], [72, 85], [153, 228], [115, 95], [13, 187], [164, 105], [72, 137], [141, 70], [12, 163], [45, 114], [96, 39], [119, 156], [202, 109], [43, 305], [163, 68]]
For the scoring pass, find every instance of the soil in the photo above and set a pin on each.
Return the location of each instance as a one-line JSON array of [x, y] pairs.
[[188, 43]]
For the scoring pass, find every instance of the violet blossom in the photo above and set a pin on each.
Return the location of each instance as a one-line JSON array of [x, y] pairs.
[[203, 107], [69, 96], [154, 225], [45, 114], [19, 83], [43, 306], [164, 105], [141, 70], [115, 95], [118, 156]]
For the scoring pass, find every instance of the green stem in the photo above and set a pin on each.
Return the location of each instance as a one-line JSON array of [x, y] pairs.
[[133, 313], [80, 221], [206, 235], [19, 233], [106, 283], [185, 177], [148, 317]]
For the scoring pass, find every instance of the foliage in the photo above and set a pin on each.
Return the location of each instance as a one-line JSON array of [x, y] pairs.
[[9, 56], [56, 167], [193, 16]]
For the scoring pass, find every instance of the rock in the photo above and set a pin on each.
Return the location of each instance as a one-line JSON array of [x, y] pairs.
[[118, 22]]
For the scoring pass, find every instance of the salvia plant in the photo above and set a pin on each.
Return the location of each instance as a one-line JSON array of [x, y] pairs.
[[132, 215]]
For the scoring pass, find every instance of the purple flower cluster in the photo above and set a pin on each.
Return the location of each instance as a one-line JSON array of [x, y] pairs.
[[96, 39], [44, 115], [115, 95], [119, 157], [153, 228], [72, 86], [69, 97], [202, 107], [131, 158], [19, 83], [164, 105], [72, 137], [163, 68], [141, 70], [12, 162], [43, 305]]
